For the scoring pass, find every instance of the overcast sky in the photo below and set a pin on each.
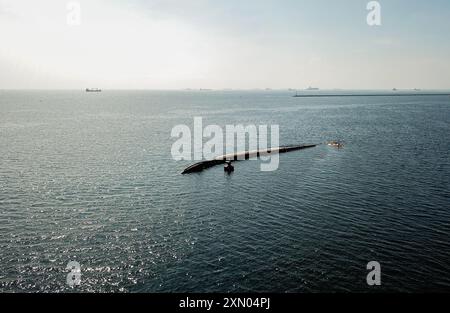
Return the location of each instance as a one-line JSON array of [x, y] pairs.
[[168, 44]]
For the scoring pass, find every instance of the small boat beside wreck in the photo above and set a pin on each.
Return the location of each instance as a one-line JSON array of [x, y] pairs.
[[336, 144]]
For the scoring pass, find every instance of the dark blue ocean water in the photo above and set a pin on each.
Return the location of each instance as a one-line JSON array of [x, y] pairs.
[[89, 178]]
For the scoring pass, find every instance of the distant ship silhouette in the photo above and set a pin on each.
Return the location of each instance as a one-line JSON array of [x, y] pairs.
[[312, 88], [93, 90]]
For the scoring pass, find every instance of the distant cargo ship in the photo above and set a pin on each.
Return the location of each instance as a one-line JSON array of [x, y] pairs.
[[93, 90], [312, 88]]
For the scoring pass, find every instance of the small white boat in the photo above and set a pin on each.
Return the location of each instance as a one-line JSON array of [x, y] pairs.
[[335, 144]]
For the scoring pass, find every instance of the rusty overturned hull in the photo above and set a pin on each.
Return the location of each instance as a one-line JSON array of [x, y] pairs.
[[200, 166]]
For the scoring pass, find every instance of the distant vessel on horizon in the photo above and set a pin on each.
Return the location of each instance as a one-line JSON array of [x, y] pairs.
[[312, 88], [93, 90]]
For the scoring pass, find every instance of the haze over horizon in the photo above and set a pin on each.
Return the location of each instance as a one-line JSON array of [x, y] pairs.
[[224, 44]]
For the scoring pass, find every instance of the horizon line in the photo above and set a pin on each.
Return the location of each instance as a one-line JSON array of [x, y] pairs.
[[233, 89]]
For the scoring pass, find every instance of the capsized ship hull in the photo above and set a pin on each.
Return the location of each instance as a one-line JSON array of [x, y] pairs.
[[240, 156]]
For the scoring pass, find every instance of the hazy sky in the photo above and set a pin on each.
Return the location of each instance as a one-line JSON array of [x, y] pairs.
[[168, 44]]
